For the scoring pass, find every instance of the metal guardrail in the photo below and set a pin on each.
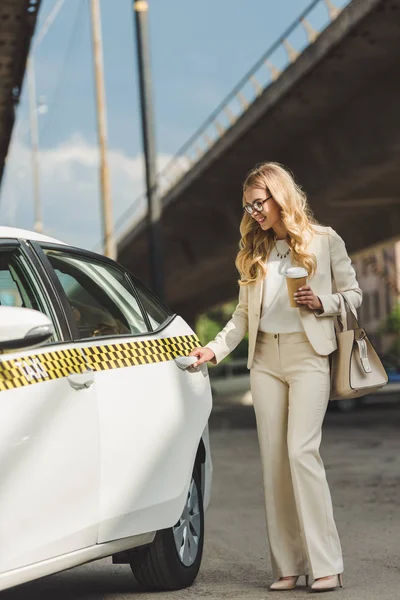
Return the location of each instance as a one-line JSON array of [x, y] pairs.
[[250, 87]]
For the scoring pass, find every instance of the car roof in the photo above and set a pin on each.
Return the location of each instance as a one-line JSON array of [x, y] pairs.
[[25, 234]]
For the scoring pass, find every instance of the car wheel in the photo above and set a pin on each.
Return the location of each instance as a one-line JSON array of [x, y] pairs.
[[172, 560]]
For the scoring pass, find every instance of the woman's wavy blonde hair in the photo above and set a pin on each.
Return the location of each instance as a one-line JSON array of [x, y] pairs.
[[255, 244]]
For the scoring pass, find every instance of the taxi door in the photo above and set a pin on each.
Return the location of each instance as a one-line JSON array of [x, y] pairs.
[[151, 410], [49, 460]]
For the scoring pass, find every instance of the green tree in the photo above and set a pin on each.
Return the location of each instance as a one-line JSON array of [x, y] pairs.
[[210, 323]]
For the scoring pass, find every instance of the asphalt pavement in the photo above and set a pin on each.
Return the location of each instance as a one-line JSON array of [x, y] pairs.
[[362, 458]]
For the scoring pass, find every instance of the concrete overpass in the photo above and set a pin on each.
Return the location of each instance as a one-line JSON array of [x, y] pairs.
[[17, 25], [333, 117]]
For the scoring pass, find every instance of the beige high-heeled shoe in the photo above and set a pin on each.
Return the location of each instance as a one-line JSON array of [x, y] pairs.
[[325, 585], [287, 583]]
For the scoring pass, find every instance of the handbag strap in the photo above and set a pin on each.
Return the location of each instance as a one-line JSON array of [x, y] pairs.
[[346, 307], [348, 314], [347, 311]]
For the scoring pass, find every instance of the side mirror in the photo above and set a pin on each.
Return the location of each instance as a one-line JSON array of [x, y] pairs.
[[23, 328]]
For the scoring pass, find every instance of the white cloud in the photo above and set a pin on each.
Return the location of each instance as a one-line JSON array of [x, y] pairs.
[[70, 189]]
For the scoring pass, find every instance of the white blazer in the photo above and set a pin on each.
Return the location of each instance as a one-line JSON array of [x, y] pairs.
[[334, 271]]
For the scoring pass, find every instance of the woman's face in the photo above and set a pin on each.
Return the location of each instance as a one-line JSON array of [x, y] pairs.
[[271, 212]]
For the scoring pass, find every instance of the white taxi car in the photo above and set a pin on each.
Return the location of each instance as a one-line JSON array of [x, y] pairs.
[[104, 446]]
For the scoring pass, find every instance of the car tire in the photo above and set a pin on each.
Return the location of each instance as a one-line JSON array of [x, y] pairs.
[[159, 566]]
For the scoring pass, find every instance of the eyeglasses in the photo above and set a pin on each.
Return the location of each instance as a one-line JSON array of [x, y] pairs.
[[257, 206]]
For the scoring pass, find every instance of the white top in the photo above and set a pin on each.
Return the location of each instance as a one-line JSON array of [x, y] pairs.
[[277, 315]]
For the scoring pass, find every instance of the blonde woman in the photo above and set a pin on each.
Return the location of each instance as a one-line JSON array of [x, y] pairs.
[[289, 367]]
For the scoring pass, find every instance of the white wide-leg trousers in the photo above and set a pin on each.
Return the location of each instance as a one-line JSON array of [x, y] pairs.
[[290, 388]]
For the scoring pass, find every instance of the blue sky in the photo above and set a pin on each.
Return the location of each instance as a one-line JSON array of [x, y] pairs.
[[199, 52]]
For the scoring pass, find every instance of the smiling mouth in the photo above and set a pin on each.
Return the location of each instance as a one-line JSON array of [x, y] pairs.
[[260, 221]]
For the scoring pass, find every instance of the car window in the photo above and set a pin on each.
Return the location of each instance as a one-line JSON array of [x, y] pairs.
[[102, 300], [157, 313], [19, 286], [9, 292]]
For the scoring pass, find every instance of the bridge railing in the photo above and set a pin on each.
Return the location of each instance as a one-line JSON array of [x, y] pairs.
[[265, 71]]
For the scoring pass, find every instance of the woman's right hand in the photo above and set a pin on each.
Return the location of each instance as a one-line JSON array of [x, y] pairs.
[[203, 354]]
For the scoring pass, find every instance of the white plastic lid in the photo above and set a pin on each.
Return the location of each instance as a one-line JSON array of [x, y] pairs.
[[296, 272]]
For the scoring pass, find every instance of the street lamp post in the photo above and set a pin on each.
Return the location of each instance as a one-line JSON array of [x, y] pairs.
[[154, 211]]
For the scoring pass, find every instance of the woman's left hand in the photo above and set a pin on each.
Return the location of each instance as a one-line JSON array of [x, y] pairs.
[[306, 296]]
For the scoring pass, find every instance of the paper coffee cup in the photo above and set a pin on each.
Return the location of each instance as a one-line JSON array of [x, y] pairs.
[[296, 277]]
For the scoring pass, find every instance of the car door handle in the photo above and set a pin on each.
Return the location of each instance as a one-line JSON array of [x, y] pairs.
[[81, 381], [184, 362]]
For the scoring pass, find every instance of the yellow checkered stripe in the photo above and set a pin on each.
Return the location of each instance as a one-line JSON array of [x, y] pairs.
[[37, 368], [117, 356]]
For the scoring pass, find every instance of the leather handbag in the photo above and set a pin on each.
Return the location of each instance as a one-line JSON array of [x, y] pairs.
[[356, 369]]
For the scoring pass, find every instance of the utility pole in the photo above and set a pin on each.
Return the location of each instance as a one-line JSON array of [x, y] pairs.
[[154, 210], [33, 117], [108, 229]]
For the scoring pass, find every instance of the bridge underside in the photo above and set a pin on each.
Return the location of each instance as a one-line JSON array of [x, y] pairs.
[[333, 117]]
